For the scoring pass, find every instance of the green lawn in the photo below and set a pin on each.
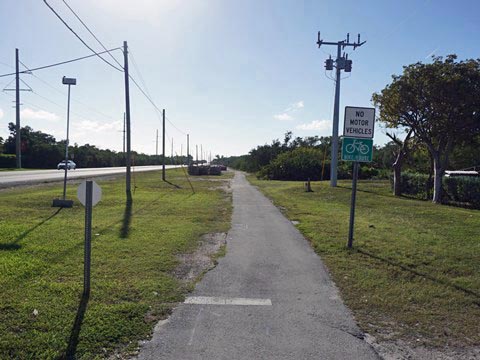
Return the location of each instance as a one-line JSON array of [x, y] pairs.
[[133, 258], [414, 272]]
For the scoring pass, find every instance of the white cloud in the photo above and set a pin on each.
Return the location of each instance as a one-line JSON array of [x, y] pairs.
[[283, 117], [88, 126], [299, 105], [1, 113], [30, 114], [295, 106], [320, 125]]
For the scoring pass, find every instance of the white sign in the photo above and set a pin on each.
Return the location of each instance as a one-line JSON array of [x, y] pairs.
[[82, 193], [359, 122]]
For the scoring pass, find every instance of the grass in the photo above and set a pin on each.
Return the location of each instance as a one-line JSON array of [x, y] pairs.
[[414, 272], [134, 248]]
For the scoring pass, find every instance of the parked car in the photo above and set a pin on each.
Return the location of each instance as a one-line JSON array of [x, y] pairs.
[[70, 165]]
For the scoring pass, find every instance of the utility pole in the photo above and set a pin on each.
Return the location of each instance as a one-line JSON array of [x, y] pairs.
[[18, 135], [341, 63], [172, 152], [156, 144], [163, 145], [124, 133], [197, 154], [201, 153], [188, 149], [127, 108], [18, 143]]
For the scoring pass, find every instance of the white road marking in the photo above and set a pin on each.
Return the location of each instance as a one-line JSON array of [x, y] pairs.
[[214, 300]]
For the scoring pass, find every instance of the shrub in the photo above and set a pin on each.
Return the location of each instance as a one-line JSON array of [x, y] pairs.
[[7, 161], [462, 189], [456, 190], [300, 164]]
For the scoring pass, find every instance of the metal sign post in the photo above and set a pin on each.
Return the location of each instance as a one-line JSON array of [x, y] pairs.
[[89, 194], [88, 239], [357, 147], [352, 206]]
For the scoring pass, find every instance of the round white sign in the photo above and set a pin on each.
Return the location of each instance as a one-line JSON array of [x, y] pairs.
[[82, 193]]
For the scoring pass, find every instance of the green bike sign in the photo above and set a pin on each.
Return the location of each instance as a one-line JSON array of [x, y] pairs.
[[356, 149]]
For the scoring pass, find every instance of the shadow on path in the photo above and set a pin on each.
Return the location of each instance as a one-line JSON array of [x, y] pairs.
[[77, 326], [13, 245]]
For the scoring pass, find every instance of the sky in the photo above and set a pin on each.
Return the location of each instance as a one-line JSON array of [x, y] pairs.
[[233, 74]]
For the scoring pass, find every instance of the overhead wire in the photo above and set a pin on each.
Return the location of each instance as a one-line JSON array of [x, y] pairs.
[[79, 38], [60, 92], [91, 33], [59, 63]]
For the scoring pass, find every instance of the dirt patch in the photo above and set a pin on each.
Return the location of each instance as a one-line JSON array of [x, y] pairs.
[[403, 350], [193, 265]]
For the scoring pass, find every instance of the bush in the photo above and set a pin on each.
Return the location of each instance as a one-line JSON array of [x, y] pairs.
[[415, 184], [300, 164], [456, 190], [462, 189], [8, 161]]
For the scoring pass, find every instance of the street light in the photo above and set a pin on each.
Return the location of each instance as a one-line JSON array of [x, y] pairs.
[[64, 202]]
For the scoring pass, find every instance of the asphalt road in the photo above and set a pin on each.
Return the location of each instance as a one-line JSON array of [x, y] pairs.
[[14, 178], [270, 297]]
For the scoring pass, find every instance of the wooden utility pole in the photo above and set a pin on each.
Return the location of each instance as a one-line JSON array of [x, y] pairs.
[[18, 141], [188, 149], [127, 115], [163, 146], [156, 144]]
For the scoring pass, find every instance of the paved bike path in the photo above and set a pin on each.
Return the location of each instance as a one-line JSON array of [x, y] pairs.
[[270, 297]]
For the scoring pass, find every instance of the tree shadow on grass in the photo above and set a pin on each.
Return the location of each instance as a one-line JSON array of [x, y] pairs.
[[77, 326], [127, 217], [13, 245], [424, 275]]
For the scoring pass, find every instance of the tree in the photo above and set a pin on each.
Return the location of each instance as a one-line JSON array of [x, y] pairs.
[[439, 102], [401, 152]]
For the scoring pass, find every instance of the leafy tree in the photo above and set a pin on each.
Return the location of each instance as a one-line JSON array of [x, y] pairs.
[[439, 102]]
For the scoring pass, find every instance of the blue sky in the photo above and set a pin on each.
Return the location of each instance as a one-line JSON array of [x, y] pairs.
[[233, 74]]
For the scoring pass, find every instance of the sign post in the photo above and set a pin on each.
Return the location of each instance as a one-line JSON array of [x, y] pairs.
[[89, 194], [357, 146]]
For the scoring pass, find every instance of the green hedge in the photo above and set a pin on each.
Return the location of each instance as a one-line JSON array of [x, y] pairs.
[[462, 189], [456, 190], [7, 161]]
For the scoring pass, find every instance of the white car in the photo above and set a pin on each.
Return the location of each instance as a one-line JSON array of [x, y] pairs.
[[70, 165]]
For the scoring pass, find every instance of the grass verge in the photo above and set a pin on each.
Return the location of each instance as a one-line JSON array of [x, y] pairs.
[[134, 248], [414, 272]]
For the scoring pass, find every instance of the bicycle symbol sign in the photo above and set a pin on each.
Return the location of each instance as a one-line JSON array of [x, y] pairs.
[[355, 149]]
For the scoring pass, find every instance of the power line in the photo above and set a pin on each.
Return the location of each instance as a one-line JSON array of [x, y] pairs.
[[60, 92], [91, 33], [79, 38], [59, 63]]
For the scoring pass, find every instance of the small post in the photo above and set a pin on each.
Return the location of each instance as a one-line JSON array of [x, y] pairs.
[[163, 146], [352, 206], [88, 238]]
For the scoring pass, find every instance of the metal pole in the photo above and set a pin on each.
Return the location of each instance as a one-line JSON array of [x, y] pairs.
[[163, 146], [172, 153], [127, 108], [352, 206], [18, 137], [336, 109], [88, 238], [156, 144], [197, 153], [66, 146]]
